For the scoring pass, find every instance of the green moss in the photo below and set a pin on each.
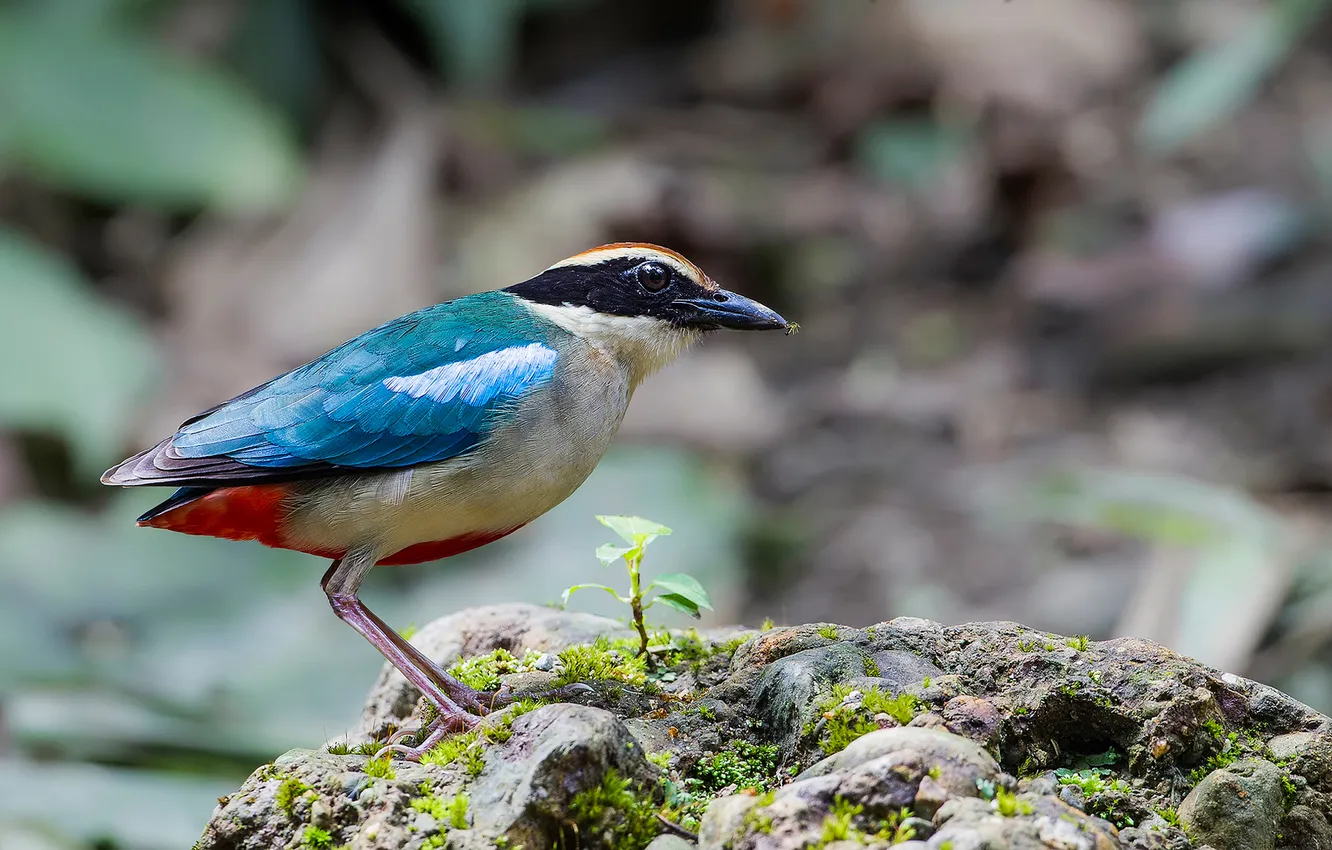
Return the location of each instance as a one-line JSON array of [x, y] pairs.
[[503, 730], [483, 672], [872, 669], [828, 630], [463, 748], [1233, 747], [291, 790], [841, 825], [845, 723], [661, 759], [768, 625], [380, 767], [451, 812], [1105, 794], [1079, 643], [601, 661], [1290, 792], [315, 838], [341, 748], [1171, 817], [616, 810], [741, 764], [1007, 804], [837, 824], [756, 820]]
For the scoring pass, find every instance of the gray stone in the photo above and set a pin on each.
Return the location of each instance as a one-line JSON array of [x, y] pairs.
[[669, 842], [788, 689], [555, 753], [1044, 822], [723, 821], [1291, 745], [1237, 807], [950, 761], [900, 669], [1307, 829]]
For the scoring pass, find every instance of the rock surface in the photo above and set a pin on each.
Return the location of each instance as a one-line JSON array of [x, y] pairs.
[[908, 734]]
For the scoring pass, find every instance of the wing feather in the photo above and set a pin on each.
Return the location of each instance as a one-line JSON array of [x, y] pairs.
[[423, 388]]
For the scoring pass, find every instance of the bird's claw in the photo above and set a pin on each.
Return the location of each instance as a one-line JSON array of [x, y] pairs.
[[442, 726]]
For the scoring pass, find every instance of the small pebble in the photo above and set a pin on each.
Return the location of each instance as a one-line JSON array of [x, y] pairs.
[[545, 662]]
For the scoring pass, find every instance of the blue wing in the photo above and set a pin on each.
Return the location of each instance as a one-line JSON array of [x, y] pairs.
[[423, 388]]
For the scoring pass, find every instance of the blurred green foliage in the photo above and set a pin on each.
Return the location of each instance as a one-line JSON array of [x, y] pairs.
[[94, 107], [82, 364], [1213, 83]]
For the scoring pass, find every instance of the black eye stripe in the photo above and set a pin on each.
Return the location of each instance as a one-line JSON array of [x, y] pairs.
[[614, 287]]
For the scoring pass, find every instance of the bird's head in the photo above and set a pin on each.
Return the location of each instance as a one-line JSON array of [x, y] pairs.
[[642, 303]]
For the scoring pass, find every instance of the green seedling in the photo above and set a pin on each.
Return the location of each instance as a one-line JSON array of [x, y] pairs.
[[674, 590]]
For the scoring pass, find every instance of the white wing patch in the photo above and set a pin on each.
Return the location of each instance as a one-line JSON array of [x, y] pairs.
[[506, 371]]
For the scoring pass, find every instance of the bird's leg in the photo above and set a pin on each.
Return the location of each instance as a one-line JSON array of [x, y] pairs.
[[457, 691], [340, 584]]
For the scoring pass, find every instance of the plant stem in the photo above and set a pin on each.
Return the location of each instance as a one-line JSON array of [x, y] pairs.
[[636, 603]]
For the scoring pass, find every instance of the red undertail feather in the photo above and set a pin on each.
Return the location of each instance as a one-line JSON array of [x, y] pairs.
[[251, 512], [257, 511]]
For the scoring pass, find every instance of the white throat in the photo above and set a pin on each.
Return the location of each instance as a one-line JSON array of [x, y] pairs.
[[641, 344]]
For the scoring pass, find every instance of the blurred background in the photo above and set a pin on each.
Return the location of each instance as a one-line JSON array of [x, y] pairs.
[[1062, 266]]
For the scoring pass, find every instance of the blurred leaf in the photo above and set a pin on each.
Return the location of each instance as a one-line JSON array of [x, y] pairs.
[[77, 365], [1208, 86], [115, 116], [609, 553], [1167, 509], [569, 591], [473, 42], [909, 153], [276, 52], [679, 603], [634, 529], [686, 586]]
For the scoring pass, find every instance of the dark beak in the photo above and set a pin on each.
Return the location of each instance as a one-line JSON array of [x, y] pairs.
[[725, 309]]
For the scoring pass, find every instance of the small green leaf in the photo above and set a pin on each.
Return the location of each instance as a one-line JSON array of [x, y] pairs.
[[679, 603], [569, 591], [610, 553], [685, 585], [634, 529]]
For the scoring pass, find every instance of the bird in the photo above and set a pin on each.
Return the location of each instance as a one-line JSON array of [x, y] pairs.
[[438, 432]]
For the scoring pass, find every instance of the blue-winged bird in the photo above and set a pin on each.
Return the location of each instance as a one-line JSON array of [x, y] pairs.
[[438, 432]]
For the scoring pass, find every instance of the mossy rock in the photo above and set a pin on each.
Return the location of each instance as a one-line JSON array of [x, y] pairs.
[[811, 736]]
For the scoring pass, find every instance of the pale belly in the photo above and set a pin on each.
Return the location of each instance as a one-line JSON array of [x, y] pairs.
[[528, 466]]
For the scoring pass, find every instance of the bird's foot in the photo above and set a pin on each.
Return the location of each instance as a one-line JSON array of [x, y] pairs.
[[437, 724], [436, 729]]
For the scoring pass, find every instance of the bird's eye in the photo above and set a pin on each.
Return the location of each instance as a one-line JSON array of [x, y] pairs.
[[653, 276]]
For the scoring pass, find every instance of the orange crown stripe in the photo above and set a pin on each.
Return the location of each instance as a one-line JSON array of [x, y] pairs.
[[589, 257]]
